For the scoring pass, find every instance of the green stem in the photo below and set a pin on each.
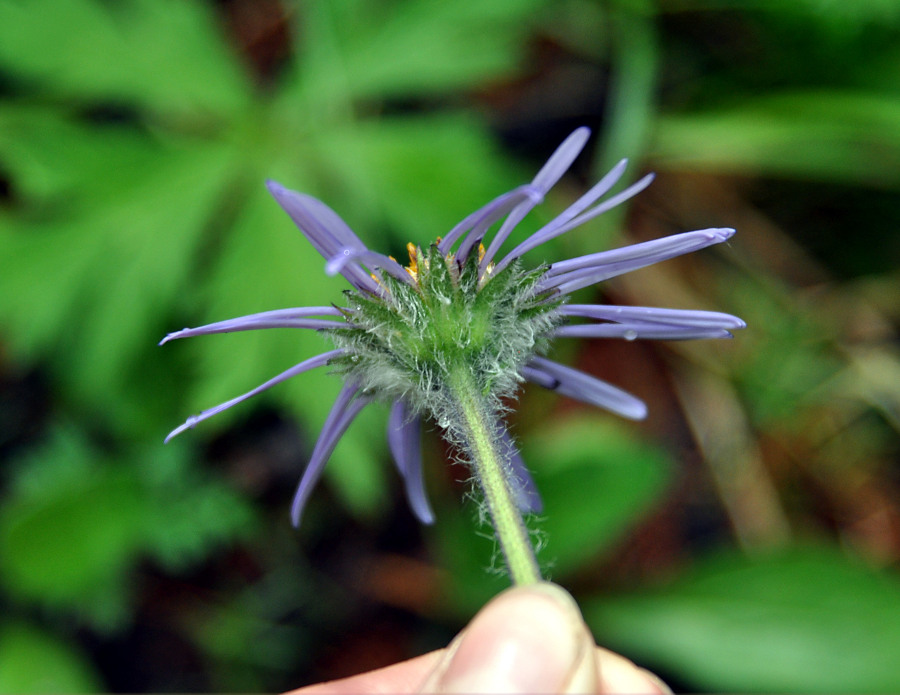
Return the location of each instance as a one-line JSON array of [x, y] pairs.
[[492, 472]]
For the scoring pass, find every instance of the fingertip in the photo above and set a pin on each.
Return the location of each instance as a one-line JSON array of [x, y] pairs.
[[528, 639]]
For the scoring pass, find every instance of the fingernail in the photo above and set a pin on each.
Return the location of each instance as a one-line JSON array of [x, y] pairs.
[[530, 639]]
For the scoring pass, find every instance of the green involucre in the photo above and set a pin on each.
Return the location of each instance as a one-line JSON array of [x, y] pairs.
[[408, 341]]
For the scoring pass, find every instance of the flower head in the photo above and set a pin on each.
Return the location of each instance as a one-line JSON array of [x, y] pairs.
[[461, 315]]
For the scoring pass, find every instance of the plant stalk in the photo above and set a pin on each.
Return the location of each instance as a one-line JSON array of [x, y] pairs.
[[493, 473]]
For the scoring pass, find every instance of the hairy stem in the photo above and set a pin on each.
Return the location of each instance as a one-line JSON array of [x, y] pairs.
[[492, 471]]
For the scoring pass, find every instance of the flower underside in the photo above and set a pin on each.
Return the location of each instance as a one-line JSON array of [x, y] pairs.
[[405, 342], [456, 331]]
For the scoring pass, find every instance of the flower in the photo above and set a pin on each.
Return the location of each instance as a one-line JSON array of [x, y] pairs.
[[462, 316]]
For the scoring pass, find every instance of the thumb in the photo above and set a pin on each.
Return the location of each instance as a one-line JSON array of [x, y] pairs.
[[528, 639]]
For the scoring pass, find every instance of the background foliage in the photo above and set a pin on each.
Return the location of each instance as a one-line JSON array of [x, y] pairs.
[[746, 537]]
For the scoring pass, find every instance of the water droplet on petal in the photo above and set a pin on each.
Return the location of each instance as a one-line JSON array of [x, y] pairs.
[[630, 334]]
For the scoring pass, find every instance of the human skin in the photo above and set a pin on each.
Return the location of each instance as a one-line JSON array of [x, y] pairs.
[[527, 639]]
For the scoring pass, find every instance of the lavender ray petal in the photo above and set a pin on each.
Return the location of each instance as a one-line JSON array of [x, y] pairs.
[[646, 252], [404, 432], [560, 226], [675, 317], [576, 273], [509, 224], [516, 213], [315, 219], [583, 387], [337, 263], [342, 413], [478, 222], [562, 158], [595, 193], [606, 205], [279, 318], [306, 365], [546, 178], [528, 499], [635, 330], [324, 229]]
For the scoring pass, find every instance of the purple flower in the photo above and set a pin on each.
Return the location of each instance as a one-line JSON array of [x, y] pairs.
[[460, 304]]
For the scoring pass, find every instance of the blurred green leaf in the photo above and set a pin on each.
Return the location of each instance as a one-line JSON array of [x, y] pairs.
[[186, 513], [801, 621], [163, 54], [76, 523], [848, 16], [472, 562], [66, 539], [32, 661], [364, 49], [788, 356], [847, 137], [597, 480], [420, 175], [62, 164], [113, 259]]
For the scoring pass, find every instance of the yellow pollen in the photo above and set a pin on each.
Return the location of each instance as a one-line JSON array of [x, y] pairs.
[[413, 267]]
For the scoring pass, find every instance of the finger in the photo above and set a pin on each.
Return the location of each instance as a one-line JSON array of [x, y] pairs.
[[404, 677], [619, 676], [528, 639]]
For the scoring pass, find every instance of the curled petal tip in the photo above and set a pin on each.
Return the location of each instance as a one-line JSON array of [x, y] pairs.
[[535, 194], [337, 262], [722, 233], [174, 335], [178, 430]]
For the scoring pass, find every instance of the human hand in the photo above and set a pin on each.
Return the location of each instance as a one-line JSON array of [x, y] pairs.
[[527, 639]]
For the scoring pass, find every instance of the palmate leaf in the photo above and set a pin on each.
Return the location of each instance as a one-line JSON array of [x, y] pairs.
[[415, 177], [161, 54], [411, 48], [91, 278]]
